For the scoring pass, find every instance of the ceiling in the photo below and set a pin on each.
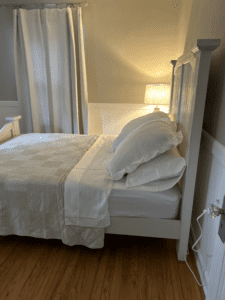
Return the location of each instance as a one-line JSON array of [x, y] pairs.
[[142, 35]]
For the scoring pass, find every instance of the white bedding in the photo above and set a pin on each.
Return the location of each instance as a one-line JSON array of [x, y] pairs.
[[87, 182], [122, 201], [79, 221], [32, 204]]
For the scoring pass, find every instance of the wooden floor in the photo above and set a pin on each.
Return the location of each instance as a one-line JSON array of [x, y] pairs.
[[126, 268]]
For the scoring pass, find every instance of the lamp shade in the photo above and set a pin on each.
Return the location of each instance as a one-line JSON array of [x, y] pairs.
[[157, 94]]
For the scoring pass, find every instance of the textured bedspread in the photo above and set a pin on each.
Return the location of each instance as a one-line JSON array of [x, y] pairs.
[[87, 182], [32, 179]]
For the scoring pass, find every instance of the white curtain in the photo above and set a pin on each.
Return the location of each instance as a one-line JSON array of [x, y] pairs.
[[50, 70]]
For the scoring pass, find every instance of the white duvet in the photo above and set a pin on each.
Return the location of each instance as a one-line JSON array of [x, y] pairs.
[[80, 214], [87, 182]]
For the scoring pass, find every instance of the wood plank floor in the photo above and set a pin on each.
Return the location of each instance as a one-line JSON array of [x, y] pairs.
[[134, 268]]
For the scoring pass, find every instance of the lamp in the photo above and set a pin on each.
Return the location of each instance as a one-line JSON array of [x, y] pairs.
[[157, 94]]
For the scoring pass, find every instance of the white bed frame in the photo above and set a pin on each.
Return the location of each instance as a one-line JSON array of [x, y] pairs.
[[188, 95]]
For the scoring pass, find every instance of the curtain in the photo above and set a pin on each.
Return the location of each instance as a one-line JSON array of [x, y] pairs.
[[50, 70]]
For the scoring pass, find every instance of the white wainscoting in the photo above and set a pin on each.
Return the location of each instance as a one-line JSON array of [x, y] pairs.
[[110, 118], [210, 188], [8, 109], [104, 118]]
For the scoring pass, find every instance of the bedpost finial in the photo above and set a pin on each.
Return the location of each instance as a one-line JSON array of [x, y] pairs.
[[206, 44], [13, 119], [173, 62]]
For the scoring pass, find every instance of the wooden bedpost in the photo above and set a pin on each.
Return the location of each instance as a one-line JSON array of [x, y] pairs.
[[191, 112], [15, 123]]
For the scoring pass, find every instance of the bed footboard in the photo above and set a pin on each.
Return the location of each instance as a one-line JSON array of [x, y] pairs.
[[11, 129]]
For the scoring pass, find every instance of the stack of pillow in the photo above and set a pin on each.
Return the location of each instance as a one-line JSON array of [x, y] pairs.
[[146, 152]]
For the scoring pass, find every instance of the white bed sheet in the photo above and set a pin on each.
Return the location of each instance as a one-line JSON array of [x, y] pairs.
[[140, 202]]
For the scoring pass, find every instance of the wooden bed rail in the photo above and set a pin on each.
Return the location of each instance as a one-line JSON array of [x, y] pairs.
[[11, 129]]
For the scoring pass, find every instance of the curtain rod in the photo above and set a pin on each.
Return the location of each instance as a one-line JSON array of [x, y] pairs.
[[85, 3]]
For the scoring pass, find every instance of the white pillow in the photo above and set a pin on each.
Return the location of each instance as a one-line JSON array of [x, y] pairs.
[[135, 123], [167, 165], [141, 145]]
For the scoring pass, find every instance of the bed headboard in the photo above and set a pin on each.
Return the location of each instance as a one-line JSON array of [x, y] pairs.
[[191, 74]]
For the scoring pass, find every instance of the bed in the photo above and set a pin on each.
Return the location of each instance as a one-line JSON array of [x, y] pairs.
[[136, 212]]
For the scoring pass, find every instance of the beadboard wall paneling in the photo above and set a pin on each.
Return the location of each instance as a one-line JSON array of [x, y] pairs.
[[210, 189], [104, 118], [110, 118], [8, 109]]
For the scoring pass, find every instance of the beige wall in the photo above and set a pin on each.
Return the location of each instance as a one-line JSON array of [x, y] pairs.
[[207, 20], [129, 43], [184, 17]]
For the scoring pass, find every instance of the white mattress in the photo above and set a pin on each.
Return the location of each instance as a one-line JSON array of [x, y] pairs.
[[139, 202]]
